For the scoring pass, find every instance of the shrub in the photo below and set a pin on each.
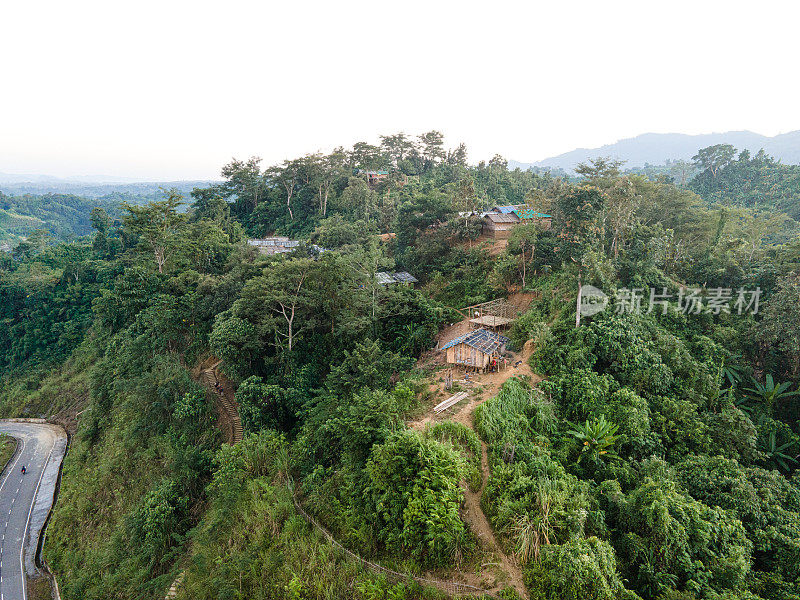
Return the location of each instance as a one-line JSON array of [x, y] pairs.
[[263, 406], [767, 504], [576, 570], [668, 539], [463, 439], [414, 484]]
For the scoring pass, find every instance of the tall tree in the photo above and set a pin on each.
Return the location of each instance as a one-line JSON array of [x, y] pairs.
[[281, 302], [458, 156], [523, 239], [368, 157], [397, 146], [287, 176], [780, 327], [325, 170], [157, 225], [682, 171], [367, 261], [359, 199], [432, 148], [577, 229], [714, 158], [498, 163], [245, 180], [620, 199], [599, 170]]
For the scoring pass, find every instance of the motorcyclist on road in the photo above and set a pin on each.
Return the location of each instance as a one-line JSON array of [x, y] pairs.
[[24, 469]]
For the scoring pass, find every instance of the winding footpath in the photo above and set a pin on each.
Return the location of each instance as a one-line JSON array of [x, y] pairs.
[[464, 413], [26, 500]]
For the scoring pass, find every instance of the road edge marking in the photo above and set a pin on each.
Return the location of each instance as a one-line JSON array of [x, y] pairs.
[[11, 468], [28, 522]]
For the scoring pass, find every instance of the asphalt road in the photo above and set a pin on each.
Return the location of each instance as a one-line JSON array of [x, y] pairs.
[[25, 500]]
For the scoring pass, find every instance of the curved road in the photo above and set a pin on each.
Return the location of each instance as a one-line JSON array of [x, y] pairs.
[[25, 500]]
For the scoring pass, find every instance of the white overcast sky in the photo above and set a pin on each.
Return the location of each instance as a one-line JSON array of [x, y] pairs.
[[172, 90]]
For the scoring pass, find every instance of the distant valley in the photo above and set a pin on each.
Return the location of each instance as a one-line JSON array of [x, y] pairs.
[[87, 187], [63, 207]]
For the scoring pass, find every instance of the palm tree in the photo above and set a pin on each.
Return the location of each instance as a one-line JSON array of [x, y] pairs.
[[731, 374]]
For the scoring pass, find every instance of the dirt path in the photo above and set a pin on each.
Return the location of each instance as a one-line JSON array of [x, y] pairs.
[[474, 516], [464, 413]]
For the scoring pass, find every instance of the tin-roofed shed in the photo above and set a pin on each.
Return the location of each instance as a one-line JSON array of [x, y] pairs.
[[386, 278], [476, 348], [529, 215], [405, 277]]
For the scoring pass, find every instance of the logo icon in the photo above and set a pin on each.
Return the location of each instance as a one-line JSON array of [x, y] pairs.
[[593, 300]]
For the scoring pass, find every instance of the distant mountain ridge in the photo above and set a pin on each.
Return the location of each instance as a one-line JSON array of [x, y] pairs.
[[657, 148]]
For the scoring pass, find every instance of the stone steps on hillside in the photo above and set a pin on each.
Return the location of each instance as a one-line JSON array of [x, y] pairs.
[[225, 406]]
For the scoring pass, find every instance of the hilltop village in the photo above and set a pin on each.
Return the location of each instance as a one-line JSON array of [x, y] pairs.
[[370, 374]]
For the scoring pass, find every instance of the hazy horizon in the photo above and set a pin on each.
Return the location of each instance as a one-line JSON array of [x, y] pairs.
[[106, 178]]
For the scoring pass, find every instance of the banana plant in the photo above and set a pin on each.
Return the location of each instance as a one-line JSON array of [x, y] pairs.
[[732, 375], [597, 439], [769, 393], [776, 454]]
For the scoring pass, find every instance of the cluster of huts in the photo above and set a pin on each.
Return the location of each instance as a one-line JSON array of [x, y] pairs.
[[499, 221], [483, 346]]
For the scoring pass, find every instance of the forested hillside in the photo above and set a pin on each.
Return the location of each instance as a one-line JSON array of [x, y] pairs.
[[745, 179], [656, 459], [55, 215], [64, 210]]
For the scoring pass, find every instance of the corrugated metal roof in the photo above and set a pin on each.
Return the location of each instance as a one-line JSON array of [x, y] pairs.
[[405, 277], [505, 209], [529, 213], [498, 218], [384, 278], [280, 245], [269, 241], [481, 339]]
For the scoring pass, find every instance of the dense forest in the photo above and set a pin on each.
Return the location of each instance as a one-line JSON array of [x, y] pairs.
[[652, 454], [58, 216], [64, 211]]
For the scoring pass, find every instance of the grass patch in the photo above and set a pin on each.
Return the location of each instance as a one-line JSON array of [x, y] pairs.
[[40, 588], [44, 392], [7, 447]]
